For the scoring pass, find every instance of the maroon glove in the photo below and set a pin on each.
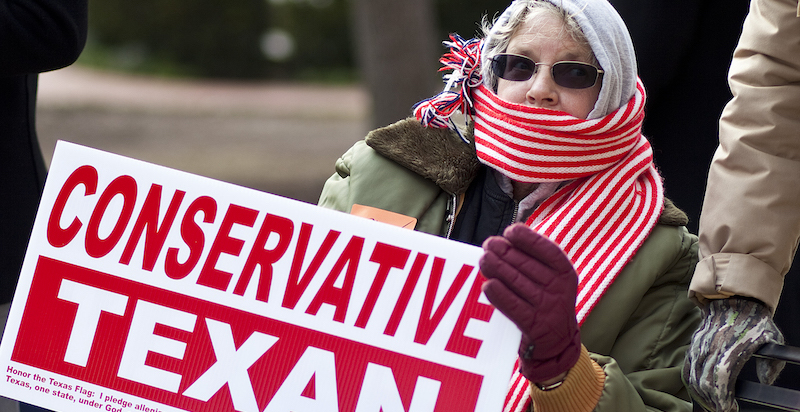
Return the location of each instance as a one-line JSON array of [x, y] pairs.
[[533, 283]]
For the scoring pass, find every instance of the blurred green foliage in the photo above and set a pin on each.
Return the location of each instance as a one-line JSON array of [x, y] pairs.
[[464, 16], [184, 37], [277, 39], [323, 49]]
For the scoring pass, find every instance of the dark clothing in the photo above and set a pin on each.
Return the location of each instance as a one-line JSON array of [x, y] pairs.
[[35, 36], [684, 49], [487, 210], [22, 175]]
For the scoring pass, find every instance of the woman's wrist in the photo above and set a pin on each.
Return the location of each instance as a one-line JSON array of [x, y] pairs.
[[580, 390], [551, 383]]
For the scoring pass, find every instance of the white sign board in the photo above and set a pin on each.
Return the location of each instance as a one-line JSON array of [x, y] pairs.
[[150, 289]]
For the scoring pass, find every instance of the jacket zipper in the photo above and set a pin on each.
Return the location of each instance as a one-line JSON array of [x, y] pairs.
[[451, 215], [514, 214]]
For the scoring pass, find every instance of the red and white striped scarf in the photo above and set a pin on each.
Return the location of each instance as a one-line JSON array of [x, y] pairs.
[[615, 194], [599, 219]]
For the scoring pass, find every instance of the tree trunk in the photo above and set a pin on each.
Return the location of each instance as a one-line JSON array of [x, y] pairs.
[[397, 54]]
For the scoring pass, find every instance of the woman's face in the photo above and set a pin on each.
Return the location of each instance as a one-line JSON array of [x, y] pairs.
[[543, 40]]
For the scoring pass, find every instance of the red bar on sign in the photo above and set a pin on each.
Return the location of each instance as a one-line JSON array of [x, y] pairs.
[[178, 350]]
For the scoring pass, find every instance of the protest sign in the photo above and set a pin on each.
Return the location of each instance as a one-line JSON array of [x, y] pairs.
[[150, 289]]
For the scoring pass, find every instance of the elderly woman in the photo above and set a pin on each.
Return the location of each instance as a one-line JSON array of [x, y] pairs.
[[550, 173]]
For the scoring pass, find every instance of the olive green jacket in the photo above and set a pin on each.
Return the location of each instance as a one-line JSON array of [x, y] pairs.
[[638, 332]]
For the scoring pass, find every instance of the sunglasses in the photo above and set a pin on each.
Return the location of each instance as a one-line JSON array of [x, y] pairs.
[[569, 74]]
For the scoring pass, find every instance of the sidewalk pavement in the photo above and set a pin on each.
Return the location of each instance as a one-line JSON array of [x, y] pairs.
[[276, 137]]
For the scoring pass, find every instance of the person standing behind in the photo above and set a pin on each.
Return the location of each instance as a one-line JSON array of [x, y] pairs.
[[750, 222], [35, 36], [683, 46]]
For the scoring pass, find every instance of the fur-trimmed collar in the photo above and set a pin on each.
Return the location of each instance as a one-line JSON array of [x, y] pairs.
[[436, 154], [441, 156]]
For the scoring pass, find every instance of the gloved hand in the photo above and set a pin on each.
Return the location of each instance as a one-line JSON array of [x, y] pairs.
[[732, 330], [533, 283]]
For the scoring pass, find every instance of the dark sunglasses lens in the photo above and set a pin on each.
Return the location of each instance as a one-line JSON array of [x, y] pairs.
[[574, 75], [514, 68]]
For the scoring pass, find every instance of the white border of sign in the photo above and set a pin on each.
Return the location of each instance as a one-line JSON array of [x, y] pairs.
[[499, 336]]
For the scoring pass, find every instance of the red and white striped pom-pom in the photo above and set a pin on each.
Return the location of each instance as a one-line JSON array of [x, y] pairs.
[[463, 63]]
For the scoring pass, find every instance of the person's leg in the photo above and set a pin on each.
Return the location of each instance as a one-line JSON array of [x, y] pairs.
[[24, 407], [6, 405]]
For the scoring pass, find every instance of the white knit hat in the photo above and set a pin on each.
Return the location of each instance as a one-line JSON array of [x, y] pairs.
[[610, 41]]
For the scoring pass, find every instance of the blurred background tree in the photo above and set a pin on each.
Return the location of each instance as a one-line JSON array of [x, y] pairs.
[[309, 40], [397, 54], [391, 46], [464, 17], [179, 37], [397, 44]]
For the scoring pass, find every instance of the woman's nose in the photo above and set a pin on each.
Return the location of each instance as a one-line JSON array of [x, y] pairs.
[[542, 91]]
